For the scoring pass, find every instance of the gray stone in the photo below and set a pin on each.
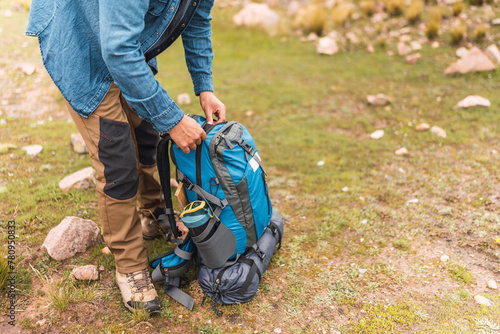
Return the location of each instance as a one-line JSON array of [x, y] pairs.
[[85, 273], [33, 150], [492, 284], [72, 235], [378, 100], [438, 131], [78, 143], [473, 101], [83, 179], [483, 300], [413, 58], [257, 15]]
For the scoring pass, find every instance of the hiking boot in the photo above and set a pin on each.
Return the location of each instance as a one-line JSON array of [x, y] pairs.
[[138, 291], [150, 227]]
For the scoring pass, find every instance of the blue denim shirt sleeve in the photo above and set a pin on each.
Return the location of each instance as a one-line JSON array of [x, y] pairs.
[[198, 52], [120, 29]]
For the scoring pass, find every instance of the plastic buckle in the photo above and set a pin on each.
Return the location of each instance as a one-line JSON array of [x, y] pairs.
[[260, 253]]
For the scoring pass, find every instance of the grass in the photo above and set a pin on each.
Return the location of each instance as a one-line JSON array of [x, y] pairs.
[[306, 108]]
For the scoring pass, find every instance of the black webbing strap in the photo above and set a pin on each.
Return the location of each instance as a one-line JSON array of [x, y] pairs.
[[198, 167], [171, 288], [253, 270], [163, 164], [277, 233]]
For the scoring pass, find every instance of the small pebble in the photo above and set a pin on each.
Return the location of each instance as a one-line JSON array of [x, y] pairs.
[[106, 250], [345, 189], [277, 330], [362, 271], [320, 163], [444, 258], [377, 134], [413, 200], [492, 284], [364, 221], [483, 300], [402, 151]]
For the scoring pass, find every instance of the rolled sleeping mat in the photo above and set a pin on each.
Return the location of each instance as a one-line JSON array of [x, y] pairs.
[[238, 283]]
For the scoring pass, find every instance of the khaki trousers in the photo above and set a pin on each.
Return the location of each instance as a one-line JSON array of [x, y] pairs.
[[123, 151]]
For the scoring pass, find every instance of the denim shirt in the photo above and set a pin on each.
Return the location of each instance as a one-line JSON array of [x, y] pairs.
[[85, 45]]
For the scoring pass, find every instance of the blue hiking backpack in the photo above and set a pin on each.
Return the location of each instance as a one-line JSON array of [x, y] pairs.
[[226, 172]]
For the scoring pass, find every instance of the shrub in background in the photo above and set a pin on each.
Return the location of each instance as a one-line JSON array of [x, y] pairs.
[[480, 32], [312, 18], [432, 29], [414, 11], [367, 7], [457, 32], [394, 7], [458, 7], [342, 13]]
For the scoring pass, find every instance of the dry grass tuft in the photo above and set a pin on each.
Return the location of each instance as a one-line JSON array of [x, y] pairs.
[[312, 18], [414, 11], [432, 30], [457, 33], [458, 7], [367, 7]]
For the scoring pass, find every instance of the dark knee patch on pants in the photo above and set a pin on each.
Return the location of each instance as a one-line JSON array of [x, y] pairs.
[[147, 139], [117, 153]]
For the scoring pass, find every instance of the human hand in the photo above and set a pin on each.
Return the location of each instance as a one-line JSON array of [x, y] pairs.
[[211, 105], [187, 134]]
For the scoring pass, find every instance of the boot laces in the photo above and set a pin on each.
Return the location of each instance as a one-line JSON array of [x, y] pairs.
[[142, 283]]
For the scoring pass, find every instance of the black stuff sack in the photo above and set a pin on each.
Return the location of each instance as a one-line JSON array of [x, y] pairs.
[[238, 282]]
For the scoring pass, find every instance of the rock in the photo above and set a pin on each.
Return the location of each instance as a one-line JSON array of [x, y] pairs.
[[401, 151], [378, 100], [27, 68], [183, 98], [364, 221], [472, 101], [351, 37], [106, 250], [5, 148], [461, 52], [101, 268], [72, 235], [249, 113], [33, 150], [483, 300], [377, 134], [40, 323], [370, 48], [435, 45], [438, 131], [405, 38], [345, 189], [495, 22], [444, 258], [312, 37], [173, 183], [85, 273], [415, 46], [321, 163], [412, 59], [493, 53], [79, 145], [277, 330], [474, 61], [412, 201], [390, 53], [7, 13], [492, 284], [293, 8], [257, 15], [362, 271], [403, 49], [82, 179], [423, 127], [327, 45]]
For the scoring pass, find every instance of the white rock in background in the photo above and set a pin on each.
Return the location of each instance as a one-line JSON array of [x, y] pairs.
[[435, 45], [438, 131], [473, 101], [82, 179], [257, 15], [351, 37], [412, 201], [377, 134], [293, 8], [401, 151], [370, 48], [461, 52], [413, 58], [493, 53], [415, 45], [78, 143], [403, 49], [26, 68], [378, 100], [492, 284], [312, 37], [483, 300], [183, 98], [33, 150], [474, 61], [327, 45], [495, 22], [423, 127], [345, 189], [7, 13], [444, 258], [72, 235]]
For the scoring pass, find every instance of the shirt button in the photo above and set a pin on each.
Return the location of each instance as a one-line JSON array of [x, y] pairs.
[[183, 25], [157, 33], [171, 38], [158, 50], [109, 78], [194, 3], [172, 8]]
